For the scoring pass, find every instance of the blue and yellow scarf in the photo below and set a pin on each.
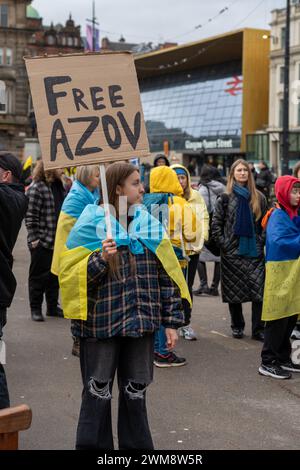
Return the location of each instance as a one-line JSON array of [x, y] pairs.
[[87, 236], [244, 226]]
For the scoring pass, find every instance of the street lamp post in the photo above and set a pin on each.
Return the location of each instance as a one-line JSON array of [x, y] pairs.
[[94, 23], [285, 126]]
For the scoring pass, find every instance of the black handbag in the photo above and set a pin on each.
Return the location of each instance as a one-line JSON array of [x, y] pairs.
[[211, 244]]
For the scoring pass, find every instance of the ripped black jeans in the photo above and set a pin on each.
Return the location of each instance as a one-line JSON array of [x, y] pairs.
[[132, 358]]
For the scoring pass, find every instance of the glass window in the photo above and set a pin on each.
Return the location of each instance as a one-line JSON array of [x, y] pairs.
[[32, 39], [1, 56], [70, 42], [3, 98], [4, 16], [9, 99], [8, 56], [208, 103]]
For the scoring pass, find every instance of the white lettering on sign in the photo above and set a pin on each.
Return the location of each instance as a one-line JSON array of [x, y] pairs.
[[209, 144]]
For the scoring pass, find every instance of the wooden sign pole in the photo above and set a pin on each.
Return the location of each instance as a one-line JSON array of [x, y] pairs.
[[105, 200]]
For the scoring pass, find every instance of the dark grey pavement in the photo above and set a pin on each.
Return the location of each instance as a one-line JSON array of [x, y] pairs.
[[217, 401]]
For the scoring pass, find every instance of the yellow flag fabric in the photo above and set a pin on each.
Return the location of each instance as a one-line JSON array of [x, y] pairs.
[[282, 284], [77, 199], [86, 237], [28, 163]]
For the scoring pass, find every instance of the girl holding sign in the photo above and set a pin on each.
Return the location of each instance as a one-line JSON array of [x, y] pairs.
[[128, 286]]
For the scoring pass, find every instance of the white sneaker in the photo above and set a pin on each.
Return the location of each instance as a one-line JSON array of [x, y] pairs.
[[295, 334], [188, 333]]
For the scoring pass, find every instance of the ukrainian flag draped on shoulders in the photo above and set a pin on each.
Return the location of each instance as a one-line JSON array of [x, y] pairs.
[[87, 236], [282, 292], [77, 199]]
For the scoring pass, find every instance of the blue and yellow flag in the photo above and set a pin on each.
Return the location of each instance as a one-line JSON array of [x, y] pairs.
[[87, 236], [282, 292], [77, 199]]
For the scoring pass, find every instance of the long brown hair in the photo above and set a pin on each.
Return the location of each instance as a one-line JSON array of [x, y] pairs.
[[255, 198], [116, 175], [188, 190], [39, 173]]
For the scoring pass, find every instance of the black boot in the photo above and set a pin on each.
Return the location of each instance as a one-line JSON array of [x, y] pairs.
[[203, 289], [36, 315], [54, 312]]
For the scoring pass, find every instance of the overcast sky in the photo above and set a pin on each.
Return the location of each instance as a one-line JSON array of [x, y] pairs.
[[161, 20]]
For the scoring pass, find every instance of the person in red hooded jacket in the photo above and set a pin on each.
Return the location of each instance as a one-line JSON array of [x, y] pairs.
[[296, 330], [281, 304]]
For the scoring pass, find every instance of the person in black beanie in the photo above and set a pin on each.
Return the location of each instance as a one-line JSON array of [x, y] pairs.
[[13, 205], [161, 160]]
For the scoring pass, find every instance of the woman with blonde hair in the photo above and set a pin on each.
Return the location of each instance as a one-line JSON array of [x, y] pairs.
[[236, 228]]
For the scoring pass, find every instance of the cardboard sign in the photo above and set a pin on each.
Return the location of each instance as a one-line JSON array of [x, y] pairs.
[[88, 109]]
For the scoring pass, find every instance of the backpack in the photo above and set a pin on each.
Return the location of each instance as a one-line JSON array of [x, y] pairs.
[[211, 244], [153, 203]]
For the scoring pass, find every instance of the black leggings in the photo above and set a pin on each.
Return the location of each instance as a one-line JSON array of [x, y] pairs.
[[191, 273], [41, 280]]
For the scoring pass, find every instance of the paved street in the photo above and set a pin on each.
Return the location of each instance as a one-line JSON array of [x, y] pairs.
[[217, 401]]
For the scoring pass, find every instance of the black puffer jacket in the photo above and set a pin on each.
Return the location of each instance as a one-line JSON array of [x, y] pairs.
[[13, 205], [242, 278]]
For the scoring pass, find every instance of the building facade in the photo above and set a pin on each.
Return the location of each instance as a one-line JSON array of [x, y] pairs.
[[53, 39], [202, 99], [22, 33], [277, 83]]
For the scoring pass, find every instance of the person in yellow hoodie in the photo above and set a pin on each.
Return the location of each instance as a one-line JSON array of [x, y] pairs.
[[178, 217], [196, 201], [181, 224]]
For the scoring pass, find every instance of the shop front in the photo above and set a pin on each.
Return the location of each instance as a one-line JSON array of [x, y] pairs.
[[220, 153]]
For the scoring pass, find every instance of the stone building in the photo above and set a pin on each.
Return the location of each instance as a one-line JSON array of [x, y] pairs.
[[22, 33], [14, 37], [135, 48]]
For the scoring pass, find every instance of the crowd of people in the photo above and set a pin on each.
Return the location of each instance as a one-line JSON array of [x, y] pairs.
[[129, 293]]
